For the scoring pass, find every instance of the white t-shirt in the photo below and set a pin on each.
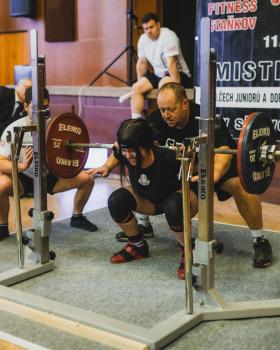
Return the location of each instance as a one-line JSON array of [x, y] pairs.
[[156, 52], [5, 148]]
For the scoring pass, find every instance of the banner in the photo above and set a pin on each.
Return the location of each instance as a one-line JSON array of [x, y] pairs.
[[246, 37]]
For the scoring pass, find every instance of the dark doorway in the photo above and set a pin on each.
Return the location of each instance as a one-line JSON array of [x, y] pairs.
[[180, 16]]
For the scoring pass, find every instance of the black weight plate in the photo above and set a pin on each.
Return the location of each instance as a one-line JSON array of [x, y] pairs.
[[255, 175]]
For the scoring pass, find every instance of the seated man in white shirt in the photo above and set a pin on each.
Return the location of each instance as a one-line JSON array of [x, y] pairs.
[[83, 182], [159, 48]]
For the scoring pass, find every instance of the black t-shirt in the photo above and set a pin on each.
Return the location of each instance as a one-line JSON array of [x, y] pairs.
[[163, 131], [159, 180]]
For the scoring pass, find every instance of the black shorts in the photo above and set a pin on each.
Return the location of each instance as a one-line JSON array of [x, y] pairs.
[[159, 207], [222, 195], [28, 184], [154, 80]]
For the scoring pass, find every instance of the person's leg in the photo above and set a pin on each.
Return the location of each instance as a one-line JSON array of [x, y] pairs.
[[6, 190], [144, 226], [186, 80], [142, 86], [164, 80], [173, 209], [84, 184], [121, 205], [249, 206]]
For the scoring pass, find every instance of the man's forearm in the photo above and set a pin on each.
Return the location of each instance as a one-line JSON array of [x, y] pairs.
[[173, 71], [141, 69], [6, 167]]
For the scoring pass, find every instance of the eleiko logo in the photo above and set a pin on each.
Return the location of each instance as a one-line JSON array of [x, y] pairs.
[[275, 2]]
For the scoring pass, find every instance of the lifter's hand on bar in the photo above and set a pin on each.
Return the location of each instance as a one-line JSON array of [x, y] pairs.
[[103, 171]]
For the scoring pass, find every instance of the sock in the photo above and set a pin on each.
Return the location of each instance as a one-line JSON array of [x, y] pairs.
[[136, 115], [4, 231], [77, 215], [257, 234], [136, 240], [3, 227], [142, 219]]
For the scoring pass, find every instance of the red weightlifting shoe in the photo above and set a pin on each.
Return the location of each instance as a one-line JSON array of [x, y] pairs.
[[181, 269], [130, 252]]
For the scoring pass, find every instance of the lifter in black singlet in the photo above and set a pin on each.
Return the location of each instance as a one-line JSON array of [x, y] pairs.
[[154, 189]]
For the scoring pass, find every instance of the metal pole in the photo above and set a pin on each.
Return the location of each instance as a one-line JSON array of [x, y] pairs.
[[130, 15], [41, 224], [204, 257], [187, 236], [89, 145], [205, 155], [110, 145], [16, 195]]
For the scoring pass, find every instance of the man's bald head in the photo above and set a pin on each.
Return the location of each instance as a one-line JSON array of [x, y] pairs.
[[177, 89], [21, 86], [174, 105]]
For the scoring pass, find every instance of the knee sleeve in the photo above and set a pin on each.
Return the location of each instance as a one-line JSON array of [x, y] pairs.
[[173, 209], [120, 204]]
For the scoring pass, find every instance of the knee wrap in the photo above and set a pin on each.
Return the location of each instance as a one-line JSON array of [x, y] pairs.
[[173, 209], [120, 204]]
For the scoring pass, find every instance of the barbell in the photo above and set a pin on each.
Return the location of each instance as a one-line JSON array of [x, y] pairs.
[[67, 144]]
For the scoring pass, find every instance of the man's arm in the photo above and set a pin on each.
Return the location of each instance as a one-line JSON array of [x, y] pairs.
[[141, 67], [173, 68], [6, 164]]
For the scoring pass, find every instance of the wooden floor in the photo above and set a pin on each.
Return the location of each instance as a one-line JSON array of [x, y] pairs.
[[225, 212], [5, 345]]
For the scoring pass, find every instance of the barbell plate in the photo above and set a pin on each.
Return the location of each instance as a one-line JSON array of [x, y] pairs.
[[255, 175], [63, 161]]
